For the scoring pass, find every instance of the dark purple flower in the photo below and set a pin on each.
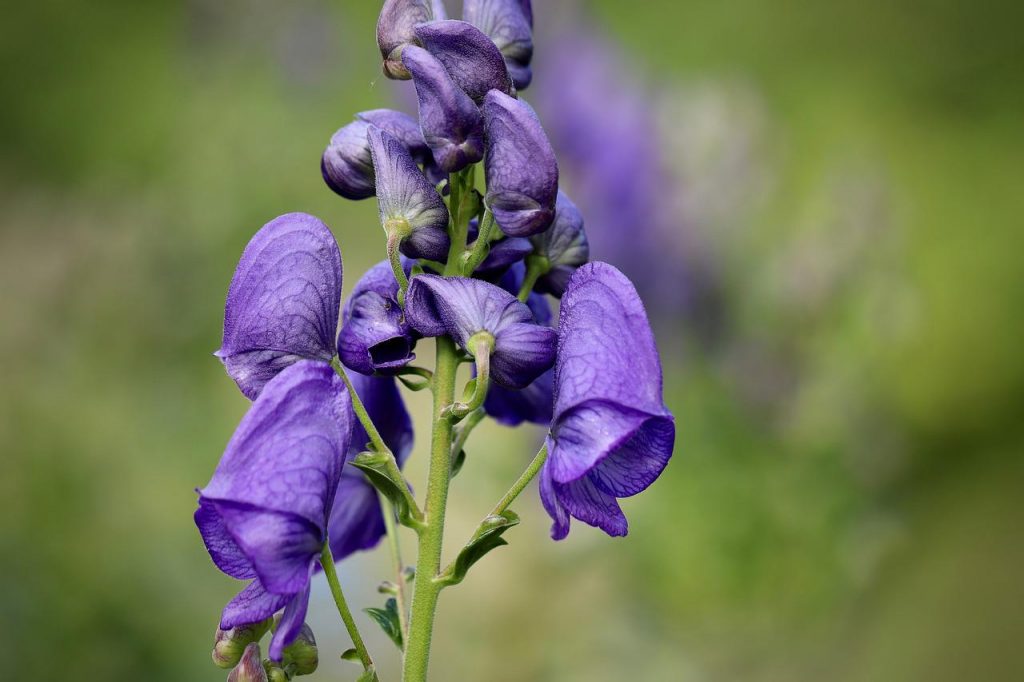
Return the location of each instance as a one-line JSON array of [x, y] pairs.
[[347, 165], [522, 173], [470, 57], [509, 23], [396, 30], [263, 516], [283, 301], [451, 122], [461, 308], [356, 522], [374, 335], [564, 246], [611, 434], [410, 207]]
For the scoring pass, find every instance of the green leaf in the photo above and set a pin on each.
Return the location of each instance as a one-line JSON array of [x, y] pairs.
[[375, 466], [352, 656], [387, 619], [487, 537]]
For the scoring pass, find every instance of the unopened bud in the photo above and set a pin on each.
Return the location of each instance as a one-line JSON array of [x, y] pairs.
[[250, 668], [302, 653], [229, 645], [274, 672]]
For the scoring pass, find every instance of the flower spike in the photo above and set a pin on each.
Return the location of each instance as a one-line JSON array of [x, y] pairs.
[[469, 56]]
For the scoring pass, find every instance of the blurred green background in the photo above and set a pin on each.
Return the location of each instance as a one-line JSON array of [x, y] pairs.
[[846, 500]]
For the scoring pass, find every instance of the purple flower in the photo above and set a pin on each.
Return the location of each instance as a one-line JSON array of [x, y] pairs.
[[263, 516], [451, 122], [462, 308], [347, 165], [410, 208], [283, 301], [611, 435], [469, 56], [396, 30], [374, 335], [509, 23], [564, 246], [356, 522], [522, 174]]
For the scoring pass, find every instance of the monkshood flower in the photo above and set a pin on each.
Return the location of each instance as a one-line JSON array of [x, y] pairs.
[[563, 247], [522, 173], [509, 23], [374, 335], [283, 301], [450, 121], [611, 435], [411, 211], [472, 311], [347, 165], [396, 30], [470, 57], [356, 522], [264, 514]]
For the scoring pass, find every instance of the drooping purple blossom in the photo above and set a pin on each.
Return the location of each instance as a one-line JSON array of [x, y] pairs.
[[509, 23], [283, 301], [374, 335], [564, 246], [450, 121], [396, 29], [611, 435], [356, 521], [522, 173], [264, 514], [472, 60], [409, 205], [461, 308]]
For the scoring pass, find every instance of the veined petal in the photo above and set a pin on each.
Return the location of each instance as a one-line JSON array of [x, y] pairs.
[[470, 57], [347, 165], [532, 404], [252, 605], [223, 549], [407, 202], [509, 23], [401, 126], [291, 622], [451, 122], [522, 173], [522, 352], [283, 301], [564, 244], [552, 505], [375, 337], [396, 30], [585, 501]]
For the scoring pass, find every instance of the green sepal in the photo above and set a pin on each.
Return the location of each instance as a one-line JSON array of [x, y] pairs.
[[387, 619], [487, 537], [378, 473]]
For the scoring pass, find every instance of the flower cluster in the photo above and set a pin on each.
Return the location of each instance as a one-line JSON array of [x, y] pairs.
[[313, 472]]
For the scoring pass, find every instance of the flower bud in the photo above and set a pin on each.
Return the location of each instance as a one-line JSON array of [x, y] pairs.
[[347, 165], [563, 247], [472, 60], [509, 23], [396, 30], [302, 653], [229, 645], [250, 667], [274, 672]]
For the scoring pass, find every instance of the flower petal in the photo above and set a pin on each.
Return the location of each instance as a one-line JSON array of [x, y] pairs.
[[522, 173], [564, 244], [346, 165], [396, 30], [291, 622], [451, 122], [534, 403], [401, 126], [223, 549], [283, 301], [407, 202], [522, 352], [251, 605], [591, 505], [472, 60], [509, 23], [553, 506]]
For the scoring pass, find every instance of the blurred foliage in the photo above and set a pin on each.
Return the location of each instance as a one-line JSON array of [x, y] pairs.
[[845, 503]]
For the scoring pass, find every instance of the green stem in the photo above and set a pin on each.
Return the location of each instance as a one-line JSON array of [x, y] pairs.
[[426, 589], [468, 424], [396, 555], [395, 258], [327, 561], [481, 246], [480, 345], [536, 267], [531, 471]]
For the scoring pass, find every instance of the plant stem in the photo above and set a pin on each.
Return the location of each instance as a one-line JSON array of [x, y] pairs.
[[468, 424], [536, 267], [531, 471], [480, 247], [426, 590], [396, 555], [327, 561]]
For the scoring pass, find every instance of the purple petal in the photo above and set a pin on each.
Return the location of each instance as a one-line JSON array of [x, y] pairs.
[[374, 336], [472, 60], [291, 623], [407, 202], [399, 125], [346, 164], [451, 123], [283, 301], [591, 505], [503, 254], [531, 404], [287, 453], [251, 605], [509, 24], [522, 173], [223, 549], [552, 505], [396, 30], [565, 246], [461, 307]]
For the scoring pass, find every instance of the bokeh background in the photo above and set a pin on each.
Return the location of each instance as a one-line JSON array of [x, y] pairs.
[[820, 201]]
